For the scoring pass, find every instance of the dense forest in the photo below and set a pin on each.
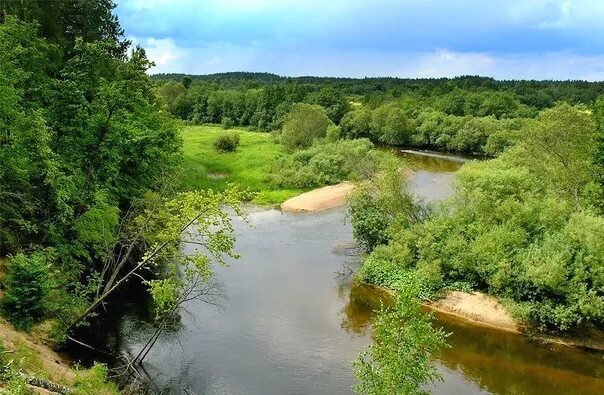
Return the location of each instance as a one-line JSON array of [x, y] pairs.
[[470, 114]]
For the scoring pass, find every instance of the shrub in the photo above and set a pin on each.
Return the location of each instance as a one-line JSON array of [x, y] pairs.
[[401, 358], [326, 164], [227, 123], [27, 286], [384, 202], [227, 142], [333, 133]]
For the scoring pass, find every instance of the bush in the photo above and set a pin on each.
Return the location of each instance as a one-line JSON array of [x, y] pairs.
[[401, 358], [27, 286], [227, 142], [227, 123], [384, 202], [326, 164], [333, 133]]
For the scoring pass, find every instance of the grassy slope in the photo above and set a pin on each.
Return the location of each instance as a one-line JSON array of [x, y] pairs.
[[249, 166]]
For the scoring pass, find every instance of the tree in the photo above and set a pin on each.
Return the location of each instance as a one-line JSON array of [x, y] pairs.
[[560, 146], [303, 124], [27, 287], [375, 206], [391, 125], [400, 360], [335, 103]]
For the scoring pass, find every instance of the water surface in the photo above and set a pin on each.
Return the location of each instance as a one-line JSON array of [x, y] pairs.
[[291, 323]]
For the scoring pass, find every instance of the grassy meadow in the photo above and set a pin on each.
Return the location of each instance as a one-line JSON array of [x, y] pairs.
[[248, 167]]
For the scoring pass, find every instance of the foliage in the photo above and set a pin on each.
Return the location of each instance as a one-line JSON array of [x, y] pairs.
[[84, 136], [227, 142], [94, 381], [227, 123], [598, 113], [326, 163], [302, 125], [334, 133], [422, 112], [27, 286], [377, 205], [521, 227], [400, 360]]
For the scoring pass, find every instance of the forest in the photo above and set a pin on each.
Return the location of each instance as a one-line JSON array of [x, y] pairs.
[[473, 115], [108, 174]]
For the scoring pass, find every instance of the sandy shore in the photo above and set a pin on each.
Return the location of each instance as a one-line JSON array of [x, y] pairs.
[[319, 199], [480, 309], [476, 307]]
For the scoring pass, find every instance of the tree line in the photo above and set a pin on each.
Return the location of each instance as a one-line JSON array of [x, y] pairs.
[[474, 115]]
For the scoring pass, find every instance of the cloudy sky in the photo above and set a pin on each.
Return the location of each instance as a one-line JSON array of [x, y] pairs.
[[540, 39]]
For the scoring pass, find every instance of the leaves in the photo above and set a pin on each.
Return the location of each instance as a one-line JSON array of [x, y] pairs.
[[400, 360]]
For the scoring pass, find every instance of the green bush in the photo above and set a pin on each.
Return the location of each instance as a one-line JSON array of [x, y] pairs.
[[333, 133], [327, 164], [227, 142], [27, 286], [227, 123], [401, 358], [380, 204]]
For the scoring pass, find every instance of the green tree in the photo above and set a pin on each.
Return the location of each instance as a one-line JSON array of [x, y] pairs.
[[27, 287], [376, 205], [560, 146], [598, 113], [400, 360], [303, 124]]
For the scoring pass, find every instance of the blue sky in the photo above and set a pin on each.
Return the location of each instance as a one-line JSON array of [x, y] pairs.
[[505, 39]]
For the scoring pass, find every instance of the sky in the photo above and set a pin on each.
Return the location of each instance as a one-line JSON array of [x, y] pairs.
[[505, 39]]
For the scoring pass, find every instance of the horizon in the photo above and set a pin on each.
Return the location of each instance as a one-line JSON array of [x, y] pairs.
[[505, 40], [373, 77]]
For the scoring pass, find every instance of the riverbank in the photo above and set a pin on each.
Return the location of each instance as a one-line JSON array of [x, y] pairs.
[[319, 199], [480, 309], [47, 371]]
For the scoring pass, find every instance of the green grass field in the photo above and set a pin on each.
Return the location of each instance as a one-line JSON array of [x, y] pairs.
[[248, 167]]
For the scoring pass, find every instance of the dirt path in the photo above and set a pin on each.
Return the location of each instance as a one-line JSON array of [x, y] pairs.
[[319, 199]]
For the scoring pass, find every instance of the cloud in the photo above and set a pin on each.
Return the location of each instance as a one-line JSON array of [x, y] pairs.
[[378, 37]]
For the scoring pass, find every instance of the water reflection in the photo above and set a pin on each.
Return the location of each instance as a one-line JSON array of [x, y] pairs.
[[292, 321], [497, 362]]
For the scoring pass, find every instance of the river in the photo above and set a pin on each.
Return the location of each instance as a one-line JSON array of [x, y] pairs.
[[290, 322]]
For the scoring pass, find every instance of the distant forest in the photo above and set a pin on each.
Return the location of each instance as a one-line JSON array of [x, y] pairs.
[[468, 114]]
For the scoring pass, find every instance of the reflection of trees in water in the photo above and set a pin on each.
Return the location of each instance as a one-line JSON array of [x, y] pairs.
[[429, 163], [362, 302], [504, 363], [166, 332]]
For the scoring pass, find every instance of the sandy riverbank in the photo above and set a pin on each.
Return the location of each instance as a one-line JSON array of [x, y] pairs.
[[480, 309], [476, 307], [319, 199]]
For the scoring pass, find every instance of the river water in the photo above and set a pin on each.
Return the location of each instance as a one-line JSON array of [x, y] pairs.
[[290, 322]]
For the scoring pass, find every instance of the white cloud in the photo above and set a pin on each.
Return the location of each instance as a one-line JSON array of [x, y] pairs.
[[564, 18]]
